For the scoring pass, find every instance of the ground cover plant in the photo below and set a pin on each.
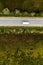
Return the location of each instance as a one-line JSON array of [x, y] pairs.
[[21, 45]]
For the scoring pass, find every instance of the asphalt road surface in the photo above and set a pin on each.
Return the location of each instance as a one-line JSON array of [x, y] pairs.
[[18, 21]]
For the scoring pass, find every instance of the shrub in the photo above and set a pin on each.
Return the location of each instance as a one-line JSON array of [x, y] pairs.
[[1, 13], [41, 14], [25, 13], [33, 14], [6, 11], [11, 13], [17, 12]]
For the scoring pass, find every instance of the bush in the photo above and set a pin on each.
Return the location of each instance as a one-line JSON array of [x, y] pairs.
[[6, 11], [11, 13], [0, 13], [41, 14], [25, 14], [17, 12], [33, 14]]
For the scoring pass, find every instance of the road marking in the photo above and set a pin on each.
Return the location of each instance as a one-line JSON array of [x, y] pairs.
[[25, 23]]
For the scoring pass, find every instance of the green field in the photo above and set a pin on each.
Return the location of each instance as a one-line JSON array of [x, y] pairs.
[[21, 45]]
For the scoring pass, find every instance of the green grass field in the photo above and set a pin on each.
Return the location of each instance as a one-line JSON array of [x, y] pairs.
[[21, 45]]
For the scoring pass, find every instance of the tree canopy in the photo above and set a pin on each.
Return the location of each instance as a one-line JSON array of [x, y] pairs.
[[28, 5]]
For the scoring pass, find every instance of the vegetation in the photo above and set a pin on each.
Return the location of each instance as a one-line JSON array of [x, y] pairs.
[[20, 30], [29, 6], [21, 45], [18, 13]]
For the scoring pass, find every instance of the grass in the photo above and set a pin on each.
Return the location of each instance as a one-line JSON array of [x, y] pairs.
[[21, 45]]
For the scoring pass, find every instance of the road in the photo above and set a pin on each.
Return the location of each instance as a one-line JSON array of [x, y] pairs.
[[21, 21]]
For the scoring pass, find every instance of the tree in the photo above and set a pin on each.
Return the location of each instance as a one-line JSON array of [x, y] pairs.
[[27, 5], [1, 6]]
